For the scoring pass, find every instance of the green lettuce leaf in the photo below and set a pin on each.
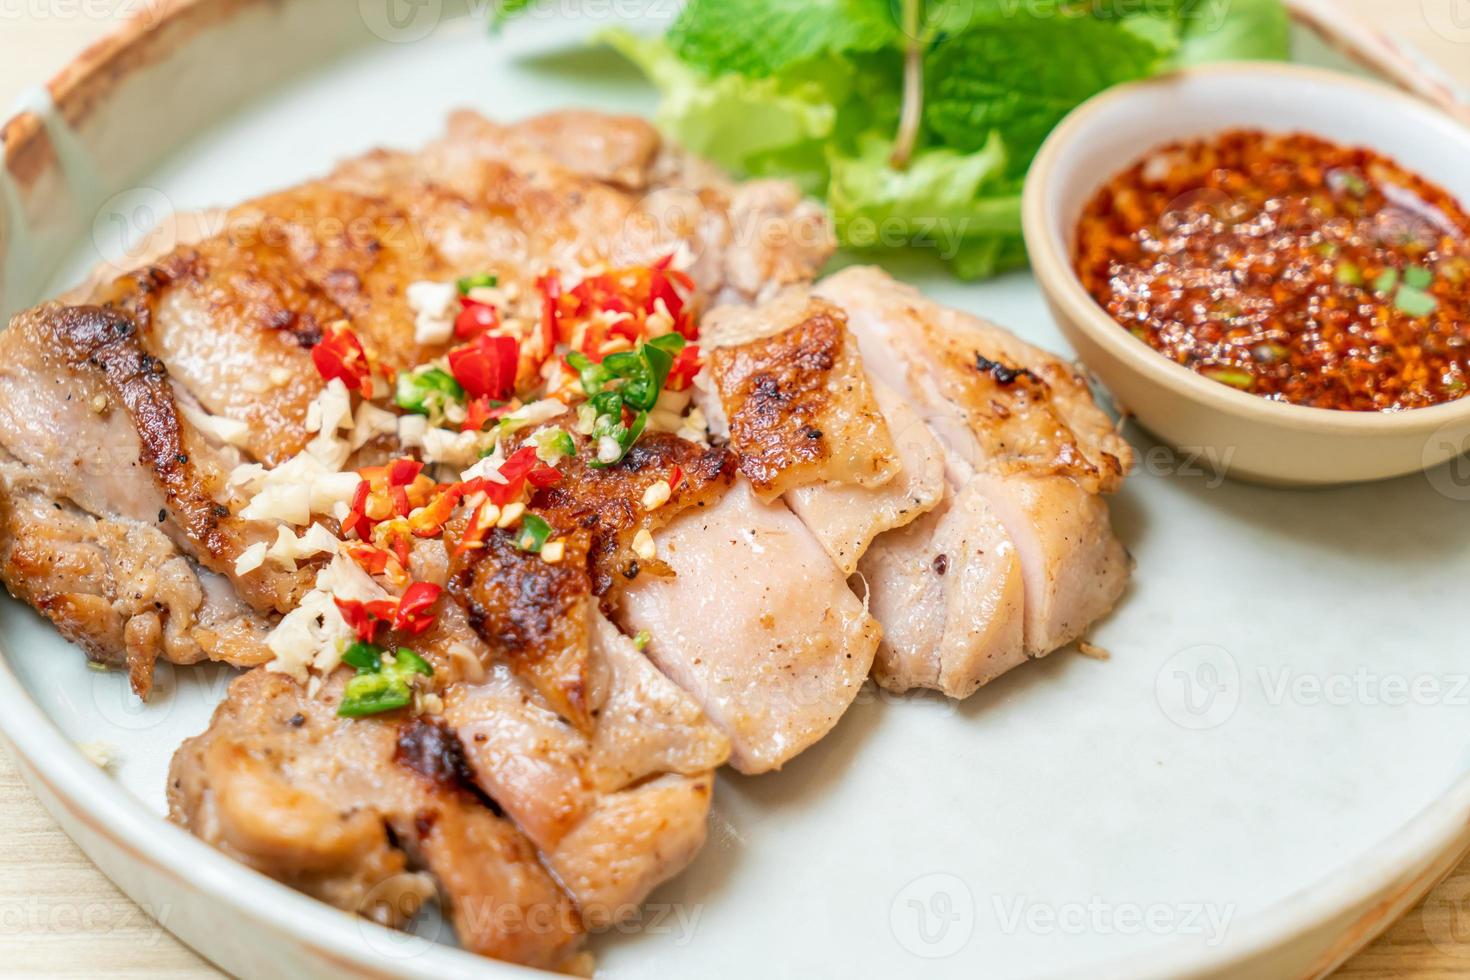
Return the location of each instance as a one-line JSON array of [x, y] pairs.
[[1020, 75], [942, 198], [760, 38], [752, 126], [1237, 31]]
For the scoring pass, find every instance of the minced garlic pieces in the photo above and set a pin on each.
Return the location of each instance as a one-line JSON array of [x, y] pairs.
[[657, 495], [251, 558], [643, 545]]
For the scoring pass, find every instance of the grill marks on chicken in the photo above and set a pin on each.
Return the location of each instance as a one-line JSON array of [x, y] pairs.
[[227, 319], [125, 559], [799, 407], [533, 615], [607, 504], [346, 810], [614, 811]]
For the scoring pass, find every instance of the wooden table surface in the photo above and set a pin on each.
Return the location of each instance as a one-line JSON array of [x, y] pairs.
[[60, 917]]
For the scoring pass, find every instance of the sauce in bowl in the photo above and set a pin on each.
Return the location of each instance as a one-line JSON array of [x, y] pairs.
[[1288, 267]]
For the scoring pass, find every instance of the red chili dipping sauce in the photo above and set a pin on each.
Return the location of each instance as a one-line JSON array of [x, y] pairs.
[[1288, 267]]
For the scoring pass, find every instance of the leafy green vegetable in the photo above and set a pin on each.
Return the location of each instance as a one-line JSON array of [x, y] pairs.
[[759, 38], [943, 198], [1019, 76], [755, 126], [812, 91], [1240, 30]]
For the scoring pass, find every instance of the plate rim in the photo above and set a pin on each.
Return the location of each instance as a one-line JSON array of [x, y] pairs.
[[1425, 848]]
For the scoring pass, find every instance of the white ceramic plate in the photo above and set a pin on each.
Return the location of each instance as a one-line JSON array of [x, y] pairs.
[[1271, 766]]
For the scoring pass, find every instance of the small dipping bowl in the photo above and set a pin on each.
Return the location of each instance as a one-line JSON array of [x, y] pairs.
[[1250, 437]]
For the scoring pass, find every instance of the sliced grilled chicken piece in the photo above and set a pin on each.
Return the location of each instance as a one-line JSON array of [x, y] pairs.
[[614, 812], [846, 518], [756, 624], [795, 400], [1028, 454], [948, 590], [1025, 410], [1073, 566], [112, 527], [345, 809], [805, 418]]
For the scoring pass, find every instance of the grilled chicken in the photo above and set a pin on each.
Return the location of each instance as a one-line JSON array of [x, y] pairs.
[[345, 810], [757, 625], [802, 414], [615, 813], [565, 774], [222, 326], [794, 398], [548, 765], [948, 590], [1020, 556]]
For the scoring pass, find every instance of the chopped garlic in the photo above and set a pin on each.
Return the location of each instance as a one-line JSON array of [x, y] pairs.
[[245, 475], [470, 666], [488, 468], [553, 551], [231, 432], [643, 545], [99, 403], [290, 503], [657, 495], [288, 548], [454, 448], [433, 306], [411, 429], [608, 450], [103, 755], [330, 410], [372, 421], [330, 489], [543, 410], [251, 558], [510, 514]]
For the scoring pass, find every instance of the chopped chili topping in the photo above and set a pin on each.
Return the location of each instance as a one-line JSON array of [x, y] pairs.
[[340, 355], [1288, 267], [487, 367]]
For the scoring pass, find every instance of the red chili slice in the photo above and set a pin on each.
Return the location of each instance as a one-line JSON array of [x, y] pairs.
[[550, 286], [357, 519], [360, 617], [686, 365], [487, 367], [475, 319], [339, 354], [416, 608], [403, 471]]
